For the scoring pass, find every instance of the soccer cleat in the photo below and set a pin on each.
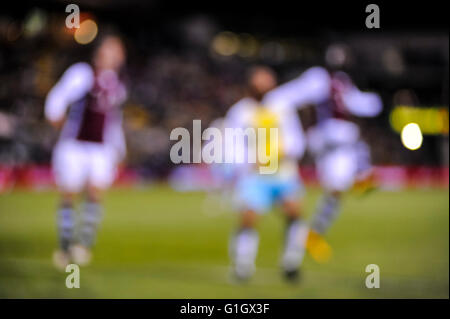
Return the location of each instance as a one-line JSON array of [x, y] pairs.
[[81, 255], [243, 271], [61, 259], [318, 248], [291, 265], [292, 276]]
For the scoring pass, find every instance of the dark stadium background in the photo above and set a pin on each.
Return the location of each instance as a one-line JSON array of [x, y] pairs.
[[165, 32]]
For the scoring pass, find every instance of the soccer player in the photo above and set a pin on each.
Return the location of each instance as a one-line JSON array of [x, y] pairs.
[[90, 146], [340, 154], [268, 106]]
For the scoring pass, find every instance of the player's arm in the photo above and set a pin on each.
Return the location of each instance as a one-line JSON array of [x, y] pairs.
[[362, 104], [73, 85], [311, 87]]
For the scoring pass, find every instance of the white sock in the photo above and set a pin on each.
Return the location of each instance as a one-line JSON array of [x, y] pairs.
[[294, 248], [244, 248]]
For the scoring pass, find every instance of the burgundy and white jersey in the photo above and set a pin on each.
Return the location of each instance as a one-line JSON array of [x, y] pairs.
[[334, 97], [334, 94], [94, 101]]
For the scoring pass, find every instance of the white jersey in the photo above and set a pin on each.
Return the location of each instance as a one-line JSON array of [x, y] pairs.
[[94, 101], [283, 101], [335, 141], [315, 86], [334, 102], [92, 141]]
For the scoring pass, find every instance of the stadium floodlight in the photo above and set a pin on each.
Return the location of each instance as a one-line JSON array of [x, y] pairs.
[[412, 136]]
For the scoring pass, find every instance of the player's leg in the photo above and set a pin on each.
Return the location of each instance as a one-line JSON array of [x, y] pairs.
[[252, 196], [101, 175], [244, 245], [90, 221], [327, 211], [92, 215], [296, 231], [316, 244], [336, 172], [68, 170], [65, 230]]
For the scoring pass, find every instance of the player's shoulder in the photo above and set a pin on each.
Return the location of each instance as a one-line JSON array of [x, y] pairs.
[[241, 105], [317, 72], [80, 71], [241, 111]]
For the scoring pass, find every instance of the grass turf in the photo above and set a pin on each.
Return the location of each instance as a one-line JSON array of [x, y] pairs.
[[157, 243]]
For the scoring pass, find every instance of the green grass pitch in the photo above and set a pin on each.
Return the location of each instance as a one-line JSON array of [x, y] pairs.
[[157, 243]]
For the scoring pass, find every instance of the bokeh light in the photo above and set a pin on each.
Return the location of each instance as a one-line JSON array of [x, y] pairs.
[[87, 32], [225, 43], [432, 120], [412, 136], [35, 22]]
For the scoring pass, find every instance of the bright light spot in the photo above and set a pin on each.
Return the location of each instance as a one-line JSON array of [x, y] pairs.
[[412, 136], [87, 32], [225, 43]]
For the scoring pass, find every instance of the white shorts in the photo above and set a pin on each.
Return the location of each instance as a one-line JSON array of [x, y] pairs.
[[77, 164], [337, 169]]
